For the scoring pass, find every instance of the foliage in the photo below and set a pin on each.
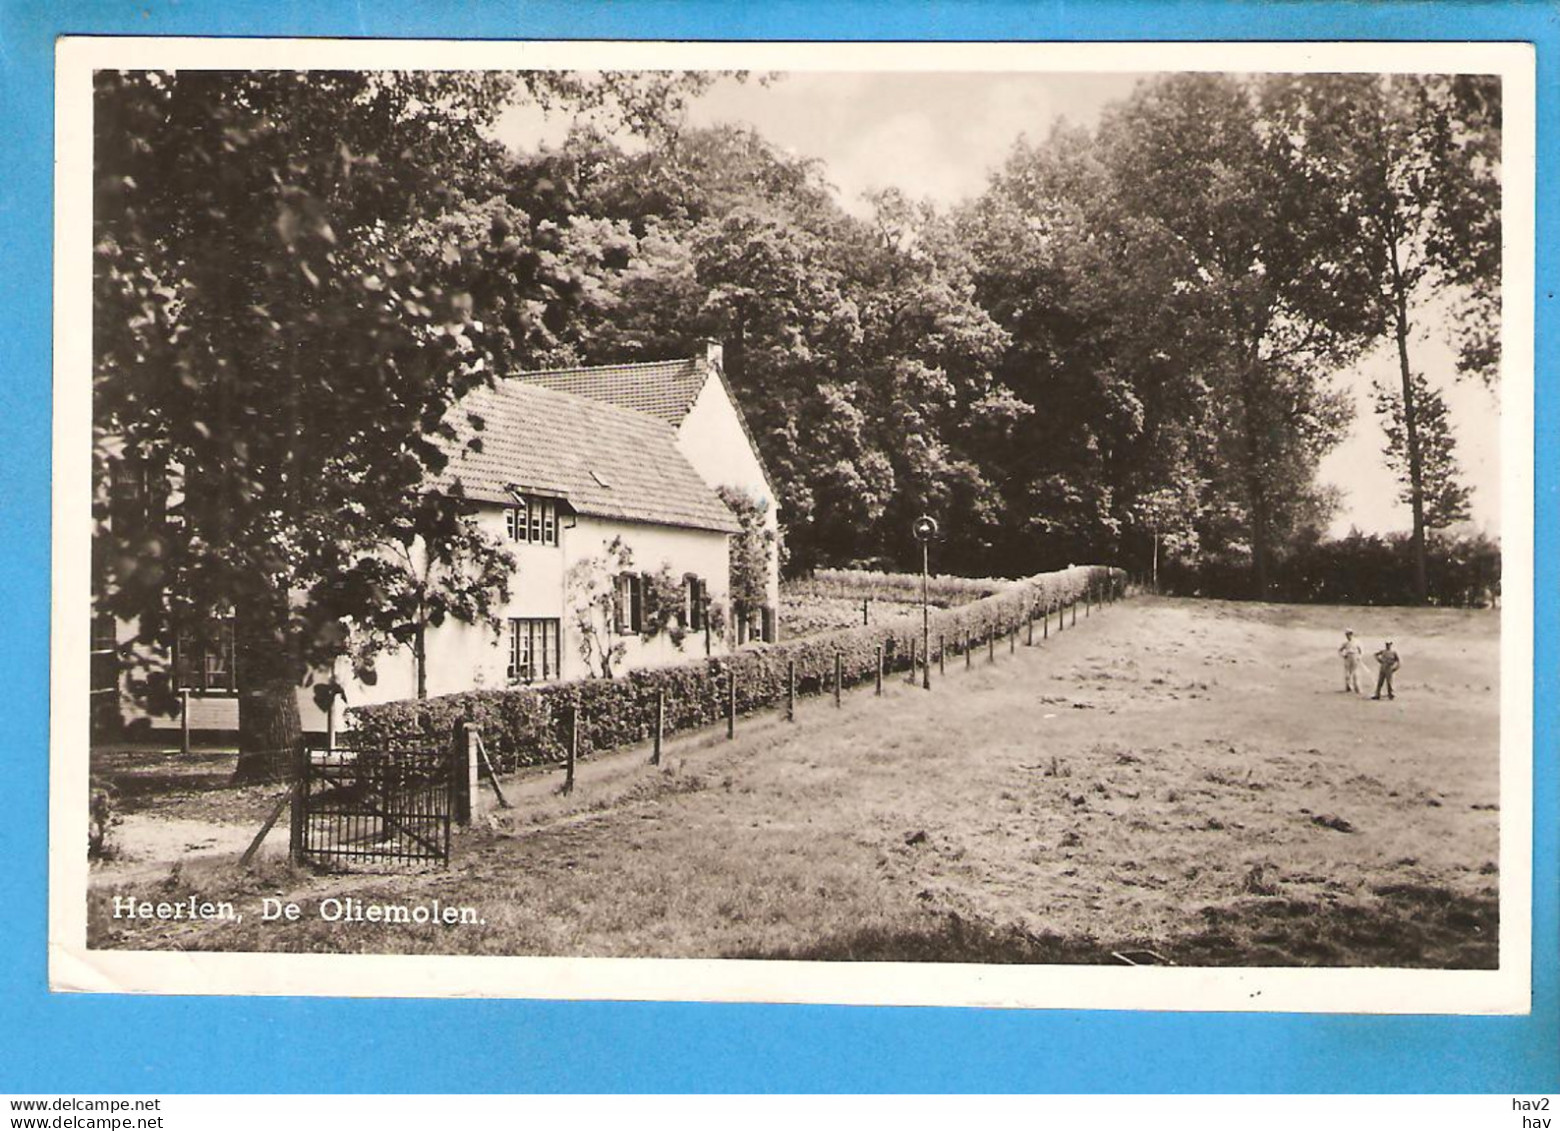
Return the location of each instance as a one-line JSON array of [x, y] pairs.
[[752, 550], [942, 589], [1416, 159], [414, 581], [297, 275], [102, 819], [530, 726], [1131, 326], [1360, 569], [1443, 501]]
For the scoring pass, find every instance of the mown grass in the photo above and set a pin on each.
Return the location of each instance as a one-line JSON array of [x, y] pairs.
[[1175, 782]]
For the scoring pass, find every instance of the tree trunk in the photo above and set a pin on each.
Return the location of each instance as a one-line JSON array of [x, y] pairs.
[[269, 728], [1259, 547], [1256, 489], [1416, 479], [420, 659]]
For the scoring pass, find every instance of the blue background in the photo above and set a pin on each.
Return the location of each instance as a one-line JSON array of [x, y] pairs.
[[81, 1043]]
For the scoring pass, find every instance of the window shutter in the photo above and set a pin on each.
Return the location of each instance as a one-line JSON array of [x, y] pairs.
[[637, 610]]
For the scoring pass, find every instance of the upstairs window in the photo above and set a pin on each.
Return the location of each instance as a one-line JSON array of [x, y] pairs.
[[533, 521]]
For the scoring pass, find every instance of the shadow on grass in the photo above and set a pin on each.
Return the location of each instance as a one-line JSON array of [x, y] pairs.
[[138, 774], [1407, 927]]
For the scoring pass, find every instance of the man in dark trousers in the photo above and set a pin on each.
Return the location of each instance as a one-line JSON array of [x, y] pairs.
[[1387, 662]]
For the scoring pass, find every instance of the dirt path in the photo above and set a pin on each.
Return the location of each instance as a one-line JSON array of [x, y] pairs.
[[1181, 778]]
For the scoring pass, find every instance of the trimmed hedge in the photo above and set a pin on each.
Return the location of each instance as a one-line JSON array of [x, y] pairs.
[[942, 589], [530, 726]]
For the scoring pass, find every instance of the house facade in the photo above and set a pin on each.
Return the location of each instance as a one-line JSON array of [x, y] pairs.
[[694, 397], [608, 504]]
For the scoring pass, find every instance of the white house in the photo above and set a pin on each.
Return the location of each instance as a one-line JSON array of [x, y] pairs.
[[572, 464], [693, 396]]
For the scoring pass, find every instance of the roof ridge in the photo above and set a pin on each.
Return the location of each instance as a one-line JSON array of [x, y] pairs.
[[524, 373], [526, 388]]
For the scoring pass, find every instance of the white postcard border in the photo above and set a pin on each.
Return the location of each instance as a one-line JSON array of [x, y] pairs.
[[73, 967]]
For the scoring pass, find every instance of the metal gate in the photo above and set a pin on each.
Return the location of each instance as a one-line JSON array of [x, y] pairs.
[[374, 808]]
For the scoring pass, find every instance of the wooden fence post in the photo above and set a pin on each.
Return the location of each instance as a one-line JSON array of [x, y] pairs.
[[865, 606], [991, 646], [790, 691], [471, 772], [1075, 610], [839, 676], [967, 643], [942, 656], [572, 754], [660, 725], [299, 816], [912, 659], [880, 669], [1012, 637], [731, 704], [1045, 622], [1029, 641], [184, 721]]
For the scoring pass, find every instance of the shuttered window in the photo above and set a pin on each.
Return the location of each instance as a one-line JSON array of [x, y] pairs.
[[693, 607], [629, 604]]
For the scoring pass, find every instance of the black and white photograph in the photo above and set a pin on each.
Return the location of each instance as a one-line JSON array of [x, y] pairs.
[[966, 525]]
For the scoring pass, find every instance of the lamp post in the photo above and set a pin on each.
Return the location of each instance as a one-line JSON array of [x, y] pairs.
[[925, 529]]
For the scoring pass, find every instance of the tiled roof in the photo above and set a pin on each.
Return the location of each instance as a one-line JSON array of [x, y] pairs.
[[665, 390], [605, 461]]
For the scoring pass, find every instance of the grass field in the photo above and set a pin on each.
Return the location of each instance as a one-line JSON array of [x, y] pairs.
[[1176, 781]]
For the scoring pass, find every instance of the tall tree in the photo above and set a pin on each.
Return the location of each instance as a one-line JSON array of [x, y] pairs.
[[1272, 265], [1419, 159], [282, 326]]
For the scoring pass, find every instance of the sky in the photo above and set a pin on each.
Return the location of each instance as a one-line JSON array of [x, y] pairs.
[[937, 136]]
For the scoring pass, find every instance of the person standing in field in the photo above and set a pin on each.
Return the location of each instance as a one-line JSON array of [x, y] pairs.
[[1387, 662], [1352, 655]]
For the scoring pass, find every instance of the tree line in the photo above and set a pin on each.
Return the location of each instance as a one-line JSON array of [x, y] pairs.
[[1130, 333], [1127, 337]]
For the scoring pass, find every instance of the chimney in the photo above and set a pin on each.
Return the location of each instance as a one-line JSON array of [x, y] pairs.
[[714, 355]]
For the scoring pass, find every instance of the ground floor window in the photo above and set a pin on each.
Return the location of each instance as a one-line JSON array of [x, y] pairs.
[[204, 659], [628, 605], [534, 649]]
